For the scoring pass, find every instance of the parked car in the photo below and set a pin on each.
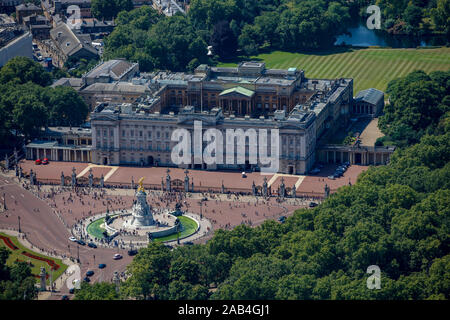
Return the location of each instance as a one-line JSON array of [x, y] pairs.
[[81, 242], [331, 177], [315, 170], [45, 161], [64, 297], [102, 266], [89, 273], [313, 204], [73, 239], [38, 161], [188, 243], [92, 245], [282, 219], [86, 279], [117, 256], [132, 252]]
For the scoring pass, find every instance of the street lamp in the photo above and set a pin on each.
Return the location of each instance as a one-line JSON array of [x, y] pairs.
[[78, 255], [18, 217]]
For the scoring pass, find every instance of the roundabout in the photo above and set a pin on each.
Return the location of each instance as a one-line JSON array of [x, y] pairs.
[[141, 224]]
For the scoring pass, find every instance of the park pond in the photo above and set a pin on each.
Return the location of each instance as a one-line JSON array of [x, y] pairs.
[[361, 36]]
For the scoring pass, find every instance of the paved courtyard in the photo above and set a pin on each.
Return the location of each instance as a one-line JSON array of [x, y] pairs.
[[371, 133], [232, 181]]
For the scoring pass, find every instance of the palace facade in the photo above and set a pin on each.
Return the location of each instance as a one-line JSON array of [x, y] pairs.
[[249, 97]]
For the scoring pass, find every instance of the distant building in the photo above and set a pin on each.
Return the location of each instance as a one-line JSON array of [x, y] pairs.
[[96, 27], [75, 83], [168, 7], [117, 92], [109, 81], [111, 71], [65, 44], [59, 7], [62, 144], [25, 10], [14, 42], [9, 6], [39, 26], [369, 102]]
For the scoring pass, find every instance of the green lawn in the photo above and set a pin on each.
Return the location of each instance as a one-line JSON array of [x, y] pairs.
[[95, 230], [36, 264], [189, 227], [370, 68]]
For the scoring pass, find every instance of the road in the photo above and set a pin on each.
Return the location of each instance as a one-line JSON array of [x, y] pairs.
[[44, 230]]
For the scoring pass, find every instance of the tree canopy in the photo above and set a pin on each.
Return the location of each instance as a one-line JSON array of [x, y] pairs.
[[27, 103], [16, 281], [108, 9], [417, 103], [20, 70]]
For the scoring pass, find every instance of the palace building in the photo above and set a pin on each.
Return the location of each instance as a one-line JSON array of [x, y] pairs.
[[248, 97]]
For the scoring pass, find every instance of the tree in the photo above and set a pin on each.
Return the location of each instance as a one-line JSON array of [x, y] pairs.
[[414, 105], [20, 70], [97, 291], [223, 40], [108, 9], [16, 281], [413, 15], [149, 277], [25, 108], [441, 16], [67, 108]]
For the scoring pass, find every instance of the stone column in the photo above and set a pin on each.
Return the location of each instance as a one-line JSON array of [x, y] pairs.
[[74, 178], [265, 187], [91, 178], [327, 191], [168, 186], [43, 276], [186, 181], [282, 188]]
